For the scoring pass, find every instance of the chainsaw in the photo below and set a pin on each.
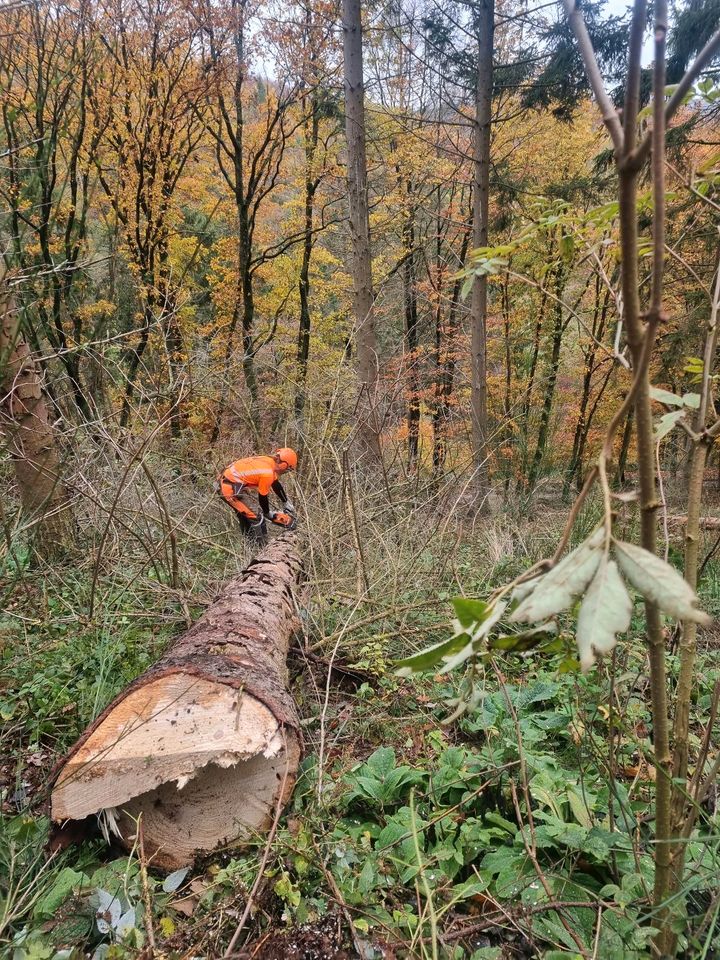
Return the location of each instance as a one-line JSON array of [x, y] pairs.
[[286, 520]]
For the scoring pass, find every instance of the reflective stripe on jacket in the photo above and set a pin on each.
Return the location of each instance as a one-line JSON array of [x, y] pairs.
[[259, 472]]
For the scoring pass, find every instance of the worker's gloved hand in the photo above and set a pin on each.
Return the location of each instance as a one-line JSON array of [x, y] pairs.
[[290, 506]]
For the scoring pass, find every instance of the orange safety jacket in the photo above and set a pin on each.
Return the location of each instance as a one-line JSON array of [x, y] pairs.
[[260, 472]]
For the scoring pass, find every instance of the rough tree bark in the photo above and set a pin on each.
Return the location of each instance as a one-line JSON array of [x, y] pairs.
[[485, 26], [25, 424], [206, 744], [363, 296]]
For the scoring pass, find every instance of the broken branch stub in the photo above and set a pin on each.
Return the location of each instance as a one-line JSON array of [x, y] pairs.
[[206, 743]]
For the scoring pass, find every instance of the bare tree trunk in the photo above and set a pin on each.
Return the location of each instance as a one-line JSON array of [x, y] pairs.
[[549, 395], [206, 744], [507, 396], [446, 359], [485, 26], [312, 129], [25, 423], [530, 381], [411, 332], [624, 451], [582, 427], [363, 296]]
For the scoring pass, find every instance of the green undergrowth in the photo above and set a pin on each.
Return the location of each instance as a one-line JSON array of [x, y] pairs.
[[520, 830]]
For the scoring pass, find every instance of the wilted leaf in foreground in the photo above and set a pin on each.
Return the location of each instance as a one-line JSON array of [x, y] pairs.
[[605, 612], [658, 582], [558, 588]]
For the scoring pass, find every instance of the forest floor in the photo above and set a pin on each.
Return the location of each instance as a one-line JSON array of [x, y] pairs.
[[486, 838]]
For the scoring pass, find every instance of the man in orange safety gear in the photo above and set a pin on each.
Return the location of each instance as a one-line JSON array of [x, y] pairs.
[[261, 474]]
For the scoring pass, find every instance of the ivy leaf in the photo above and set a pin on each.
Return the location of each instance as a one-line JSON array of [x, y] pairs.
[[605, 612], [658, 582], [125, 924], [108, 910], [557, 589]]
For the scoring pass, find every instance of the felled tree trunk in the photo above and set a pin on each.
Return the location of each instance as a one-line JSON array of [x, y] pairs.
[[26, 426], [206, 744]]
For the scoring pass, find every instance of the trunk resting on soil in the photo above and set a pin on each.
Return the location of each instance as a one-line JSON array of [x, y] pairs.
[[206, 744]]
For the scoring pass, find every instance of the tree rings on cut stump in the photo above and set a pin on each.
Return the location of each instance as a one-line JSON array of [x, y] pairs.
[[203, 762]]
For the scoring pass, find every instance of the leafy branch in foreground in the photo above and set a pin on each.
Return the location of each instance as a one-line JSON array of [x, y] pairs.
[[587, 572]]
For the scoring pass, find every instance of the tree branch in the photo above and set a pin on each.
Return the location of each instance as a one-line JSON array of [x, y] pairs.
[[609, 113]]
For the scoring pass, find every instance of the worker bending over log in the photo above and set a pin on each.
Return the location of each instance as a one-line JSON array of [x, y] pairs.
[[242, 478]]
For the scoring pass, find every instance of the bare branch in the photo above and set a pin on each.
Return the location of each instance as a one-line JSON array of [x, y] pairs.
[[707, 53], [608, 111]]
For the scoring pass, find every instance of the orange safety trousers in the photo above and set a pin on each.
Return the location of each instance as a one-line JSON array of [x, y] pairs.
[[227, 492]]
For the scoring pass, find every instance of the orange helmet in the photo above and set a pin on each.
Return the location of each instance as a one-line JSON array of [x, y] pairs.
[[286, 456]]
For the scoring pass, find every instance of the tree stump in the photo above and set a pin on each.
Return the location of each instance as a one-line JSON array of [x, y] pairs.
[[206, 744]]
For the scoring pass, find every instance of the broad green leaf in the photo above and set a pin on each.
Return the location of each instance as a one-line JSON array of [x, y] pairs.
[[381, 762], [459, 658], [469, 612], [493, 615], [658, 582], [557, 589], [547, 797], [605, 612], [691, 400], [579, 806], [66, 883], [567, 245], [173, 880], [524, 641], [469, 888], [664, 396], [506, 825], [429, 658], [666, 423]]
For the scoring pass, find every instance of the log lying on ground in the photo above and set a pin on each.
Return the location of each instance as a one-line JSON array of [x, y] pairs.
[[206, 743]]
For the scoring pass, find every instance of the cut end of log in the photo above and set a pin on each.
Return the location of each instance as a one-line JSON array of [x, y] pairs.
[[204, 763]]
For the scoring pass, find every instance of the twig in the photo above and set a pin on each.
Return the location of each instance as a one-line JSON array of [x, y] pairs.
[[263, 863], [147, 913], [609, 113], [541, 876]]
